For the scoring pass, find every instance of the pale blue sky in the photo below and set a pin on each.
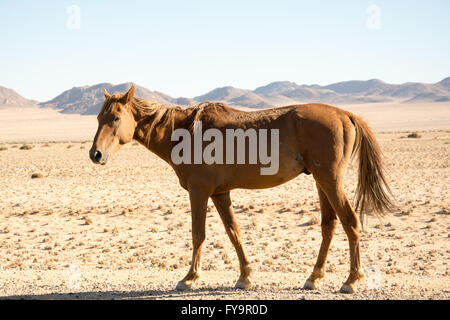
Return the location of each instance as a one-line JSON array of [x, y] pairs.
[[186, 48]]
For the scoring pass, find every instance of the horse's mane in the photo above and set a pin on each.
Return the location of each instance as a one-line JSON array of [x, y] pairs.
[[160, 114], [163, 116]]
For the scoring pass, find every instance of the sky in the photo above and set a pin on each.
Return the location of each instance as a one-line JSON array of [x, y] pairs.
[[187, 48]]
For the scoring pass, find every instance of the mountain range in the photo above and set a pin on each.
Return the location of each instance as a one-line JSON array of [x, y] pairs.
[[9, 97], [88, 99]]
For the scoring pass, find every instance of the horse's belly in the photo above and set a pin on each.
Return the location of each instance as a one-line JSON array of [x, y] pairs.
[[252, 177]]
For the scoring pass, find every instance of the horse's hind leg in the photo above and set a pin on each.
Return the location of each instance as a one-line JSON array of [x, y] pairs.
[[329, 221], [199, 202], [338, 200], [223, 205]]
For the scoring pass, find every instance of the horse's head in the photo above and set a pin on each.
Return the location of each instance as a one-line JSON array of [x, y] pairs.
[[116, 126]]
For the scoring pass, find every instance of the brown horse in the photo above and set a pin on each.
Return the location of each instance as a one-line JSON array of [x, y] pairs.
[[313, 138]]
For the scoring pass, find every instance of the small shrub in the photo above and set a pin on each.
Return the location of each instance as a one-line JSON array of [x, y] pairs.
[[414, 135], [26, 147]]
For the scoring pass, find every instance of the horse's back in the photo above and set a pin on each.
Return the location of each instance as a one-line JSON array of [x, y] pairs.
[[219, 114]]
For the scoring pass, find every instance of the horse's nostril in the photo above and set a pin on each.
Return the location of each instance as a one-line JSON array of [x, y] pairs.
[[97, 156]]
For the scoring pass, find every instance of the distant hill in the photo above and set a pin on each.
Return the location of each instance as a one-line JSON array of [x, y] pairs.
[[88, 99], [236, 97], [445, 84], [369, 87], [278, 87], [354, 92], [10, 98]]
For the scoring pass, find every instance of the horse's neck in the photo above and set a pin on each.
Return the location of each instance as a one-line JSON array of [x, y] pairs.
[[160, 138]]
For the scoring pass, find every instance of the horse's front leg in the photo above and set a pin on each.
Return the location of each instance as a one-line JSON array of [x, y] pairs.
[[199, 202], [225, 209]]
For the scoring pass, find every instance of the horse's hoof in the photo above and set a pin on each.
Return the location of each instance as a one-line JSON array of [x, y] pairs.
[[243, 284], [183, 286], [347, 288], [310, 285]]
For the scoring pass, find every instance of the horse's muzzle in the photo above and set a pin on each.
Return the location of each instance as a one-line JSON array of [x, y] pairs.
[[97, 156]]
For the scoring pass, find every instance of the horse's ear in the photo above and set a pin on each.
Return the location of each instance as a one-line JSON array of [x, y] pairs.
[[107, 95], [128, 96]]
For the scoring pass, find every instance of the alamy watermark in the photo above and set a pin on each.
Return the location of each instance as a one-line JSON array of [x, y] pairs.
[[73, 277], [373, 278], [213, 153], [373, 21], [73, 21]]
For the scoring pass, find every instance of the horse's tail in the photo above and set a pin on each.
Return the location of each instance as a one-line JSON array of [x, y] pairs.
[[372, 190]]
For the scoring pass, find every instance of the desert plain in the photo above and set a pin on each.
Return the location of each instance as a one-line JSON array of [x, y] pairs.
[[122, 231]]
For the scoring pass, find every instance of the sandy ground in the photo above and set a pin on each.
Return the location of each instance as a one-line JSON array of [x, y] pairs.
[[33, 124], [123, 230], [386, 117]]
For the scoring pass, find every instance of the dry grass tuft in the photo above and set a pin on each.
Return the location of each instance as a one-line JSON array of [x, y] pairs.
[[15, 264], [414, 135], [26, 147], [315, 219], [87, 220]]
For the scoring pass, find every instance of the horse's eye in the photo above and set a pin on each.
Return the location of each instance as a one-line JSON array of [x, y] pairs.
[[116, 119]]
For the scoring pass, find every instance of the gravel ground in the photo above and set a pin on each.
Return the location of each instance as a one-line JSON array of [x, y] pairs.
[[122, 231]]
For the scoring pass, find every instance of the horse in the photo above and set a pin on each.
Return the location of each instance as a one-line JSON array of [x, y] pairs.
[[314, 139]]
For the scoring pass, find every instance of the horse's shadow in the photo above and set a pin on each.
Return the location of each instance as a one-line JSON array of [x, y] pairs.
[[212, 293]]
